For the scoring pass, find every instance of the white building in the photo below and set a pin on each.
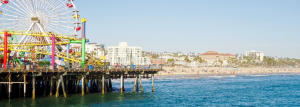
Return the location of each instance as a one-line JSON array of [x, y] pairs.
[[194, 64], [255, 54], [121, 55], [180, 62], [90, 47]]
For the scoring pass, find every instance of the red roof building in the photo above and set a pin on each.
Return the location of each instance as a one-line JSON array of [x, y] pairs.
[[157, 61], [214, 56]]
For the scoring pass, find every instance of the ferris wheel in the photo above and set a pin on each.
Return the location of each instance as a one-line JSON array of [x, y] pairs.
[[56, 16]]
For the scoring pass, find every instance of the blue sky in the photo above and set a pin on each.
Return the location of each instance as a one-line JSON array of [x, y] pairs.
[[226, 26]]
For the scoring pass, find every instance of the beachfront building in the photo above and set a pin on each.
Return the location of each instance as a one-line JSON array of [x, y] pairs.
[[212, 57], [121, 54], [180, 54], [255, 54], [157, 61], [194, 64], [166, 56], [96, 48], [90, 48], [180, 61]]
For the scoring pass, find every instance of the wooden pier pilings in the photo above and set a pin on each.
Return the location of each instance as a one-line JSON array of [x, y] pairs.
[[43, 82]]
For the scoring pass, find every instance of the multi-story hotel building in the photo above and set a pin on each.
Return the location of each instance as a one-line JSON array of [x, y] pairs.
[[121, 54], [255, 54]]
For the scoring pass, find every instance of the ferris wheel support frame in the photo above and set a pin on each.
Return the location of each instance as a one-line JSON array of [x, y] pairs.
[[26, 35]]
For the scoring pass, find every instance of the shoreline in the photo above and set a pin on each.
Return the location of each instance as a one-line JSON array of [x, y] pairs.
[[187, 76], [218, 71]]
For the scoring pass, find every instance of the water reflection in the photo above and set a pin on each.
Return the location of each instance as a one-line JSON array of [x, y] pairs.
[[181, 92], [82, 101], [33, 103]]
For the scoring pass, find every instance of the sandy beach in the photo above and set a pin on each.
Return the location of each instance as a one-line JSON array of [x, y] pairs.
[[224, 71]]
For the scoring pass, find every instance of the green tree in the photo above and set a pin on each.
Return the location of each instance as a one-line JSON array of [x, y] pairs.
[[155, 56], [187, 59]]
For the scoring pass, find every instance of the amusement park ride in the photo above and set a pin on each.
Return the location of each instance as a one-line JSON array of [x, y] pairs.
[[47, 28], [40, 26]]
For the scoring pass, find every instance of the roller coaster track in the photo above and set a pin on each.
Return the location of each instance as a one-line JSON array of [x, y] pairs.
[[42, 34], [23, 47], [46, 53]]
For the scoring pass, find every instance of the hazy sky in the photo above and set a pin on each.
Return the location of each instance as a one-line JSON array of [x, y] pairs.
[[226, 26]]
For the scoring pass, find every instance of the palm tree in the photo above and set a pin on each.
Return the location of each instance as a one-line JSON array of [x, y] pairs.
[[241, 56], [221, 62]]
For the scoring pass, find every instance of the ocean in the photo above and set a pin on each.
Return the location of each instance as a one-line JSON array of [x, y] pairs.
[[242, 90]]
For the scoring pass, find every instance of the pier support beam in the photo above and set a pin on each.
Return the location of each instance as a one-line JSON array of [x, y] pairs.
[[152, 82], [82, 86], [103, 79], [106, 85], [67, 85], [92, 85], [137, 82], [9, 86], [87, 85], [63, 85], [20, 89], [45, 90], [142, 90], [110, 85], [72, 86], [24, 87], [57, 88], [33, 86], [135, 85], [51, 85], [77, 85], [0, 90], [98, 83], [122, 83]]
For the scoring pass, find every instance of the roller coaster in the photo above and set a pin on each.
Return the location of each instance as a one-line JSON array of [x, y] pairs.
[[38, 47]]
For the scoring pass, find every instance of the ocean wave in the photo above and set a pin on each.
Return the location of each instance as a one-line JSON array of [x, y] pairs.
[[128, 80], [222, 76], [258, 75]]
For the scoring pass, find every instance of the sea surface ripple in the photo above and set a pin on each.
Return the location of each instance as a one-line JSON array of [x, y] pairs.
[[251, 90]]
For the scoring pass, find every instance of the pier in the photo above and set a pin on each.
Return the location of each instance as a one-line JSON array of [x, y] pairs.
[[18, 83], [35, 66]]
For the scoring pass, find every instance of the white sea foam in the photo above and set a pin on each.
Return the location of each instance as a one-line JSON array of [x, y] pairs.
[[222, 76], [258, 75], [128, 80]]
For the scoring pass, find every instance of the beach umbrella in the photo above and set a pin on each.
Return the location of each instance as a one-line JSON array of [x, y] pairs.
[[59, 62], [62, 63]]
